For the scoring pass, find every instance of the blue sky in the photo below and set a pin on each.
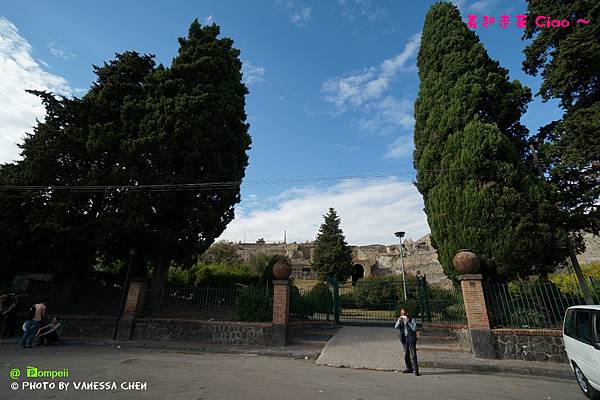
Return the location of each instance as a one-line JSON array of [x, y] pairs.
[[332, 86]]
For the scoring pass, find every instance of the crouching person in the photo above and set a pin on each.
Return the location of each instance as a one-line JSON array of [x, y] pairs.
[[48, 334]]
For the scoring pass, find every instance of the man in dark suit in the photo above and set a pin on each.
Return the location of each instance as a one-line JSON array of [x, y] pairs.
[[408, 336]]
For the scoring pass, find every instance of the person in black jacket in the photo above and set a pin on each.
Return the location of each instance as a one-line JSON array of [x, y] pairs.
[[408, 336]]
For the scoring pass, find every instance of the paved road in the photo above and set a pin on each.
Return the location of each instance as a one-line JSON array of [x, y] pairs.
[[172, 375]]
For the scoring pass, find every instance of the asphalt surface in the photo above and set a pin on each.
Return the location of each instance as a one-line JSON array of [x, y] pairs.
[[174, 375]]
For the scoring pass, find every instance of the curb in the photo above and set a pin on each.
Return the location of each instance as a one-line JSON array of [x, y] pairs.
[[500, 369], [491, 369], [196, 349]]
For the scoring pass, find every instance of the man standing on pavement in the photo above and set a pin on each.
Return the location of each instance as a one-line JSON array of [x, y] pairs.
[[408, 336], [33, 323]]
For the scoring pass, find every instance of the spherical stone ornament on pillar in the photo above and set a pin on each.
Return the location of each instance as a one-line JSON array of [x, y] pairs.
[[282, 270], [466, 262]]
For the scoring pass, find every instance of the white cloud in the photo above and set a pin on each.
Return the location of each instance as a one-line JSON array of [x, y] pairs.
[[253, 73], [385, 116], [359, 10], [371, 210], [365, 93], [59, 51], [482, 6], [299, 17], [298, 14], [401, 147], [354, 90], [20, 71], [208, 20]]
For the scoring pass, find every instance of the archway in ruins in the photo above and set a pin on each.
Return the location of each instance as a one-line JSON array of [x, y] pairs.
[[358, 272]]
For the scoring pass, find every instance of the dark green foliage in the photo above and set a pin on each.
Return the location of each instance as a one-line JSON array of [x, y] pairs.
[[261, 266], [332, 257], [221, 253], [321, 298], [139, 124], [318, 300], [411, 306], [300, 307], [213, 275], [569, 63], [383, 293], [254, 304], [469, 150]]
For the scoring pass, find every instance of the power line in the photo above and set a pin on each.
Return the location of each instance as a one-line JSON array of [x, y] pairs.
[[224, 185]]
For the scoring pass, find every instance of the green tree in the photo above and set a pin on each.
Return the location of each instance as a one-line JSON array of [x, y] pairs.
[[469, 150], [569, 63], [332, 257], [143, 125], [221, 252]]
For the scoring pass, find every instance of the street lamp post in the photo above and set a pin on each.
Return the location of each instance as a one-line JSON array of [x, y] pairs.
[[400, 235]]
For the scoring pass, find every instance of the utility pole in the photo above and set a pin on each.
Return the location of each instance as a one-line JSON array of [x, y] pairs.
[[400, 235]]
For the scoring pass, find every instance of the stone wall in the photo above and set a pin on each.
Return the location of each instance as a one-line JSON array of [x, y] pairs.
[[210, 332], [93, 327], [529, 345], [419, 257]]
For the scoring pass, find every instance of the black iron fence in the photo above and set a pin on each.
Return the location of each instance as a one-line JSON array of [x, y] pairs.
[[377, 301], [528, 305], [69, 298], [443, 305], [210, 303], [312, 304]]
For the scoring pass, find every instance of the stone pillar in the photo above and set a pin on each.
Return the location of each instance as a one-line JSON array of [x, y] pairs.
[[477, 316], [281, 311], [134, 305]]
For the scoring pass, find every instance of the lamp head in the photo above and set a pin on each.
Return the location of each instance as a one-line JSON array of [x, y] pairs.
[[399, 234]]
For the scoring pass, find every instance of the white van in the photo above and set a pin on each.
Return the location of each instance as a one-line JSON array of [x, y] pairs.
[[581, 336]]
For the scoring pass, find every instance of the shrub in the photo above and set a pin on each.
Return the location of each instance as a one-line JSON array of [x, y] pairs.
[[216, 275], [254, 304], [177, 276], [411, 306], [300, 306], [383, 292], [454, 312], [321, 298], [347, 300], [221, 252], [567, 283], [260, 268]]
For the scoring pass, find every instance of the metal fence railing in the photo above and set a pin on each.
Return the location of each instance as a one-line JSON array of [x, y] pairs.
[[72, 299], [528, 305], [210, 303], [314, 304], [443, 305]]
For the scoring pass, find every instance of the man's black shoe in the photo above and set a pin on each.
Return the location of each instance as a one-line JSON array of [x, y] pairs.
[[417, 374], [407, 371]]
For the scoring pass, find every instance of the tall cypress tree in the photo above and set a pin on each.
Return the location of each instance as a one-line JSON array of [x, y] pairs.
[[333, 256], [469, 147]]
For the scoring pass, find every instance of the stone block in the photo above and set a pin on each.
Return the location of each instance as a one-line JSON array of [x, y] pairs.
[[483, 343]]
